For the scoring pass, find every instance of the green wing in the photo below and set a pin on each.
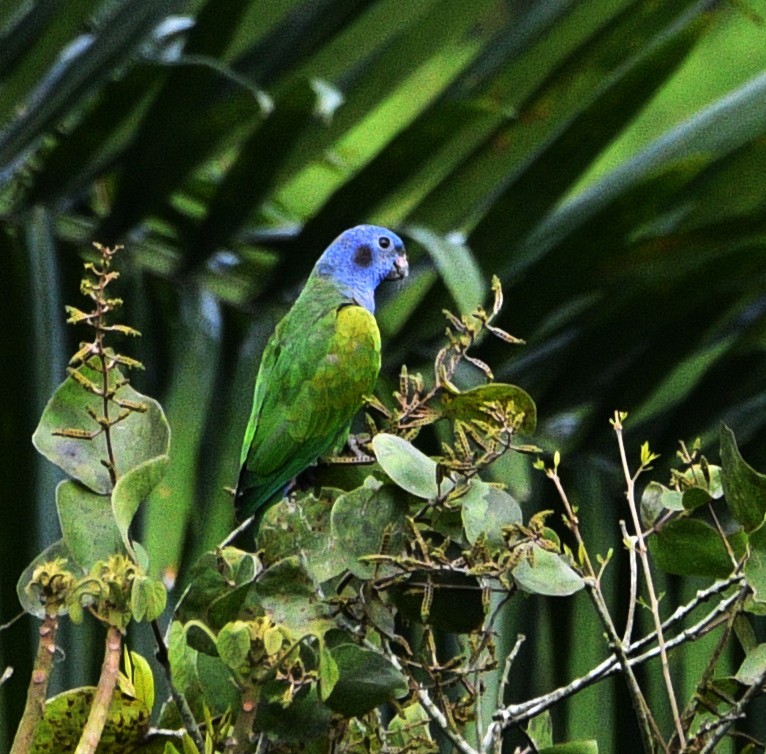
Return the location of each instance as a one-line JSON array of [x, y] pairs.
[[315, 371]]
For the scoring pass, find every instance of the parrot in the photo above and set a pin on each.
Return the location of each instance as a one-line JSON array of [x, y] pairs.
[[321, 361]]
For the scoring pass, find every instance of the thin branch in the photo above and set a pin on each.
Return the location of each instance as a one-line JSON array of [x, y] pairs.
[[494, 735], [241, 738], [244, 526], [436, 715], [38, 687], [99, 710], [630, 544], [722, 725], [653, 601], [514, 714], [646, 720]]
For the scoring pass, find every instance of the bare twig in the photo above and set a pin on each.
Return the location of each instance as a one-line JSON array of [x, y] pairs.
[[433, 711], [630, 544], [516, 714], [494, 735], [647, 724], [722, 726], [654, 604]]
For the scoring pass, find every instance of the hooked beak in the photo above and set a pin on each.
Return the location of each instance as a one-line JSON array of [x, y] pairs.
[[400, 269]]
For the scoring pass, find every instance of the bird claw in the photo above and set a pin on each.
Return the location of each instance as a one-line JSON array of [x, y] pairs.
[[354, 444]]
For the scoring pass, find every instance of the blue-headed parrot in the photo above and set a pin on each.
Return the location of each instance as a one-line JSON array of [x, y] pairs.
[[321, 361]]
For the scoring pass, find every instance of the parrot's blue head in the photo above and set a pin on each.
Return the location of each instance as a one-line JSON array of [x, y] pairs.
[[360, 258]]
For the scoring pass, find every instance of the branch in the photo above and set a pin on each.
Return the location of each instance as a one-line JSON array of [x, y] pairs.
[[515, 714], [99, 711], [38, 687], [240, 740], [647, 724], [653, 601], [722, 725], [436, 715]]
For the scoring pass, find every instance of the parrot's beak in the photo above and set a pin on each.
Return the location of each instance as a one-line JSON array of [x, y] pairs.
[[400, 269]]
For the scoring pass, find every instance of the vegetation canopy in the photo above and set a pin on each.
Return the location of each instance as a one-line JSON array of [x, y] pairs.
[[604, 160]]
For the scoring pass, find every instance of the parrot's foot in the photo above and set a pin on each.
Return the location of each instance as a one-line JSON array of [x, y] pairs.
[[358, 456]]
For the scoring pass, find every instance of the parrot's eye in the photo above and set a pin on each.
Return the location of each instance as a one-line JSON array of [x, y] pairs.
[[384, 242]]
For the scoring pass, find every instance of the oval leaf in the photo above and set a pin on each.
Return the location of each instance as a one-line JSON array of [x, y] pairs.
[[366, 679], [743, 486], [364, 521], [472, 405], [656, 499], [132, 489], [688, 547], [546, 573], [148, 598], [408, 468], [486, 510], [233, 643], [137, 438], [87, 523], [753, 666]]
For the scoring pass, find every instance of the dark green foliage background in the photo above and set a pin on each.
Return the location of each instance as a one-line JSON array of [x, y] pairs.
[[605, 159]]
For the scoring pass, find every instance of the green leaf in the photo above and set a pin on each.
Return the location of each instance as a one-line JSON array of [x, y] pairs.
[[572, 747], [87, 524], [546, 573], [138, 438], [755, 565], [65, 715], [688, 547], [306, 718], [28, 599], [141, 679], [743, 486], [408, 467], [302, 524], [411, 725], [753, 666], [367, 521], [289, 597], [233, 644], [540, 730], [205, 681], [148, 598], [456, 266], [366, 680], [695, 497], [132, 489], [329, 673], [200, 638], [486, 510], [656, 499], [469, 405]]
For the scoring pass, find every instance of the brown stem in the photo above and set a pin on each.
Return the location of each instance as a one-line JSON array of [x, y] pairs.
[[240, 739], [38, 687], [99, 711]]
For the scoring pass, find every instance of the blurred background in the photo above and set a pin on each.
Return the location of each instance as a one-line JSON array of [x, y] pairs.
[[606, 159]]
